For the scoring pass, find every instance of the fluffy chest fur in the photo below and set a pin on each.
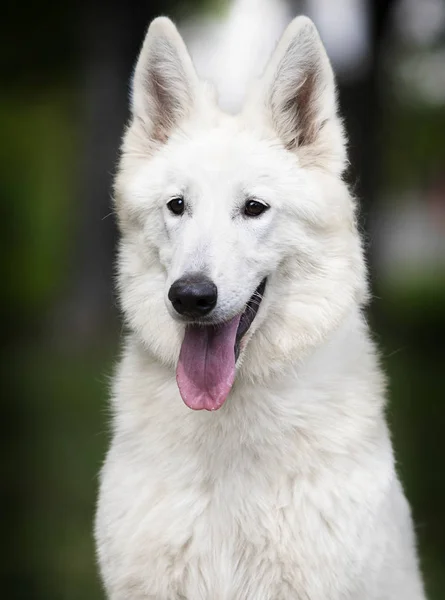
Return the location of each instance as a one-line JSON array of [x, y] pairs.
[[252, 502], [243, 536]]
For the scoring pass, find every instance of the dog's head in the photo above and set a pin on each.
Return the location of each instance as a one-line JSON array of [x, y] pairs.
[[239, 250]]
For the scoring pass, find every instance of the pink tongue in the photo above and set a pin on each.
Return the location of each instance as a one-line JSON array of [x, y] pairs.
[[206, 367]]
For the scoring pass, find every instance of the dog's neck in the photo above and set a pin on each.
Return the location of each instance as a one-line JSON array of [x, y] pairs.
[[330, 401]]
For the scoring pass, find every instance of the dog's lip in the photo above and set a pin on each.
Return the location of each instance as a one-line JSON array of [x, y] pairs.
[[249, 315]]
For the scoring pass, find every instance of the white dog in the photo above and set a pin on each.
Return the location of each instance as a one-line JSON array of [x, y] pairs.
[[242, 280]]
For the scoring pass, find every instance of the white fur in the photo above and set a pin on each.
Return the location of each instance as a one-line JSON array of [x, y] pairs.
[[289, 490]]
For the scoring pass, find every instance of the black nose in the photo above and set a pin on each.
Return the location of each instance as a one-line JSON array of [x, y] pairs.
[[193, 295]]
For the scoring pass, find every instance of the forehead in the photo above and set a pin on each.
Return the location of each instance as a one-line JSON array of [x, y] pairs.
[[226, 156]]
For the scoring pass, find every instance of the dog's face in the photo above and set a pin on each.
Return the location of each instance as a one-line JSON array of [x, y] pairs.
[[239, 246]]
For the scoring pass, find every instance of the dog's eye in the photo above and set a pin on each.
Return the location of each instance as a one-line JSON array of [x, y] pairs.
[[254, 208], [176, 205]]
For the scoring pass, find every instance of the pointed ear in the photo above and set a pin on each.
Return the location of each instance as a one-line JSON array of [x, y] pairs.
[[165, 82], [298, 95]]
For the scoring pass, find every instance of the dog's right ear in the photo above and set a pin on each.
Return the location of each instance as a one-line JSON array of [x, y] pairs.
[[165, 81], [298, 96]]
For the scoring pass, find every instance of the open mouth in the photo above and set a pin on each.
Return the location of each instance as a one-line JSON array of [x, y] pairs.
[[206, 366]]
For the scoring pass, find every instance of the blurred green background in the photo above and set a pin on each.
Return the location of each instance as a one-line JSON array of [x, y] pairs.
[[63, 103]]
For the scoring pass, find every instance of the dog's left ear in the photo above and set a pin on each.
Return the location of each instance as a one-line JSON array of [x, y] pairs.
[[165, 82], [298, 96]]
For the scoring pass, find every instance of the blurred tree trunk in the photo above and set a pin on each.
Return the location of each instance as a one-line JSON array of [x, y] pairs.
[[360, 103]]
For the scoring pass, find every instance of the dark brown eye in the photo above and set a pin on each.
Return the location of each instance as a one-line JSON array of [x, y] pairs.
[[253, 208], [176, 205]]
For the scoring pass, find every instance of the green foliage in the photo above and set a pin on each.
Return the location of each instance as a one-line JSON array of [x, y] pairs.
[[39, 182], [66, 443]]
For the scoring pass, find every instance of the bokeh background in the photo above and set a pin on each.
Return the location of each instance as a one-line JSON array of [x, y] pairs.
[[63, 103]]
